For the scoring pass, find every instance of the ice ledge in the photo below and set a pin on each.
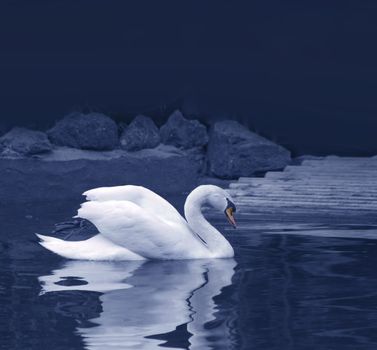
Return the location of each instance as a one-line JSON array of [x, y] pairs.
[[67, 154], [66, 173]]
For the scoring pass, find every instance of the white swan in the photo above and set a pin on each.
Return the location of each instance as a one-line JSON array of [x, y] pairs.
[[135, 224]]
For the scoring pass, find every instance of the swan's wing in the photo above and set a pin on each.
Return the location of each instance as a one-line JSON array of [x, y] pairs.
[[141, 196], [138, 230]]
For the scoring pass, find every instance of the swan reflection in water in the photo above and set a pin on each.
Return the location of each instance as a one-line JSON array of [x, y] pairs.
[[143, 302]]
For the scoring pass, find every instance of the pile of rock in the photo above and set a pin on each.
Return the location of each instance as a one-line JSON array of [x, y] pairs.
[[227, 151]]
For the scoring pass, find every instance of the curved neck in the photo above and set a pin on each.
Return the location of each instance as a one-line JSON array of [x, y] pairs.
[[214, 240]]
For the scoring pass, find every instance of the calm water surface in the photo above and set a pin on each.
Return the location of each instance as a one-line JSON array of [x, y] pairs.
[[290, 286]]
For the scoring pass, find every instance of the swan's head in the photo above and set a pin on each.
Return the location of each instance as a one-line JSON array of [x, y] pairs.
[[214, 196], [229, 212], [221, 200]]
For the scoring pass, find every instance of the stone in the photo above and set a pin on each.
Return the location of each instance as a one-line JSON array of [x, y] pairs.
[[234, 151], [141, 133], [93, 131], [24, 142], [183, 133]]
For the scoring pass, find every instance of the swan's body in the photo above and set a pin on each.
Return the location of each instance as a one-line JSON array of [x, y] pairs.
[[135, 224]]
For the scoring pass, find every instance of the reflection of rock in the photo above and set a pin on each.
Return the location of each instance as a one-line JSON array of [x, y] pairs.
[[66, 173], [234, 151], [24, 142], [93, 131], [141, 133], [183, 133], [144, 302]]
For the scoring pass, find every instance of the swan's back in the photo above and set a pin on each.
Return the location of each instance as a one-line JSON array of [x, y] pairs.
[[141, 221], [141, 196]]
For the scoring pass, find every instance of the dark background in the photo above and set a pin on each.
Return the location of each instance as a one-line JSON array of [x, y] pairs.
[[303, 73]]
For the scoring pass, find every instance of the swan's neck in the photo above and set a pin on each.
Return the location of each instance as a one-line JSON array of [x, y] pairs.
[[215, 241]]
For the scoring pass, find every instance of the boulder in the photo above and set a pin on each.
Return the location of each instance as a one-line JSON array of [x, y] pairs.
[[141, 133], [183, 133], [93, 131], [24, 142], [234, 151]]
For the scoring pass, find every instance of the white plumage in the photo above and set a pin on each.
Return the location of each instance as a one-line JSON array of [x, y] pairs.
[[135, 223]]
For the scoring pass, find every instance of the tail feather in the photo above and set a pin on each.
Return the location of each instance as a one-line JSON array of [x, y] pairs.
[[95, 248], [45, 239]]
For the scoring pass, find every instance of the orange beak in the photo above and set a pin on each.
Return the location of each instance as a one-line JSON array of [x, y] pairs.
[[230, 217]]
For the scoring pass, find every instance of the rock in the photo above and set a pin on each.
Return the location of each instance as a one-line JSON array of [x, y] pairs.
[[141, 133], [24, 142], [234, 151], [183, 133], [93, 131]]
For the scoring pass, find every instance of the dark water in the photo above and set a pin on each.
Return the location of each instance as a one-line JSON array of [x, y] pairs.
[[290, 286]]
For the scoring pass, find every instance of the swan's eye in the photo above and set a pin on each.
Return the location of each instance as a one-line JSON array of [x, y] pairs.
[[230, 204]]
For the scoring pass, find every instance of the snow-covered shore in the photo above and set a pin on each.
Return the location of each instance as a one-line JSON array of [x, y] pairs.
[[83, 151], [66, 173]]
